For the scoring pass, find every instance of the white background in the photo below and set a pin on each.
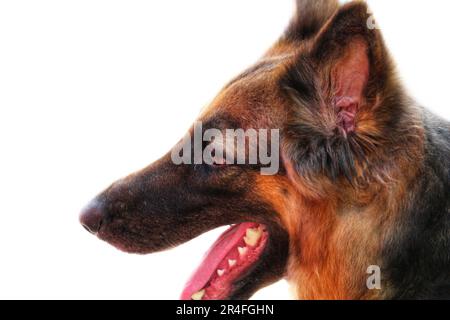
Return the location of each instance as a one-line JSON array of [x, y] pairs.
[[93, 90]]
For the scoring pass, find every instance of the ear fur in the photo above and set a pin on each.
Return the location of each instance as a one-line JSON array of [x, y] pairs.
[[348, 44], [309, 18], [347, 102]]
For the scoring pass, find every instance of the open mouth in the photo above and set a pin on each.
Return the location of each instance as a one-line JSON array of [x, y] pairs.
[[229, 259], [245, 258]]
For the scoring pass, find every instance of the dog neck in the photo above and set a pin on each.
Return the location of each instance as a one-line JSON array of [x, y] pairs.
[[337, 231]]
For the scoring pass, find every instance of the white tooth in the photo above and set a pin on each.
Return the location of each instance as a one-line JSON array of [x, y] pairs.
[[220, 272], [242, 251], [254, 232], [252, 236], [231, 263], [198, 295]]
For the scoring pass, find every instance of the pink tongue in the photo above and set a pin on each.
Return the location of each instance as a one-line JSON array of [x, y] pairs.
[[215, 255]]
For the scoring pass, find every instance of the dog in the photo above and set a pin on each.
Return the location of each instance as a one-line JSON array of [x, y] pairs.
[[363, 180]]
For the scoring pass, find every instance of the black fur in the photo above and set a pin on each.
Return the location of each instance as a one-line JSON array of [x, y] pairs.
[[418, 258], [310, 18], [165, 205]]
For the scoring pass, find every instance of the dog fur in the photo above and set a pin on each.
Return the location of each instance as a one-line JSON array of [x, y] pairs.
[[364, 178]]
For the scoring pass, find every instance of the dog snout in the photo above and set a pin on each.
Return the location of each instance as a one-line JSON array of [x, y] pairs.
[[91, 217]]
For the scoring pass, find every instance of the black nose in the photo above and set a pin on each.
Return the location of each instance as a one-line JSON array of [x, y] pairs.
[[91, 217]]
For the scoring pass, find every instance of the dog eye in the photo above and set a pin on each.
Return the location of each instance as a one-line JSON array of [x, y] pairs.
[[214, 154], [218, 160]]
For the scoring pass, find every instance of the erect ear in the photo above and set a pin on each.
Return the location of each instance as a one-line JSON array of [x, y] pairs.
[[352, 62], [310, 16], [346, 97]]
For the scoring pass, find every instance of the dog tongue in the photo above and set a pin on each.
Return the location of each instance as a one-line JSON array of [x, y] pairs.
[[215, 255]]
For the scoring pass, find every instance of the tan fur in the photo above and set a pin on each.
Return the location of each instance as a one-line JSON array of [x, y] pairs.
[[336, 230]]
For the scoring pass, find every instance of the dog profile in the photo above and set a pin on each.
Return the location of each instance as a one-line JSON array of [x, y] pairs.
[[363, 178]]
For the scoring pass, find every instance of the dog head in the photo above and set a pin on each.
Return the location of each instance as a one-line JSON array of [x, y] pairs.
[[326, 85]]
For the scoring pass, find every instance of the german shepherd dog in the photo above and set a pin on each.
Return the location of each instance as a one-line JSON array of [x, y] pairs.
[[363, 178]]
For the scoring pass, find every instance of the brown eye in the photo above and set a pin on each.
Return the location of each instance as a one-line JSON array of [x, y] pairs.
[[218, 160], [214, 153]]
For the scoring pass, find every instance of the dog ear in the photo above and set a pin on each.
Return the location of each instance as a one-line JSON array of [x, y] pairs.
[[352, 63], [339, 86], [309, 18]]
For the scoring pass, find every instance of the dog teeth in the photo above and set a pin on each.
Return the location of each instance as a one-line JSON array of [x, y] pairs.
[[242, 251], [198, 295], [220, 272], [231, 263], [252, 236]]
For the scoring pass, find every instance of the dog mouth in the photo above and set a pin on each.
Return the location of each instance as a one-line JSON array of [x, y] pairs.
[[229, 260], [245, 258]]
